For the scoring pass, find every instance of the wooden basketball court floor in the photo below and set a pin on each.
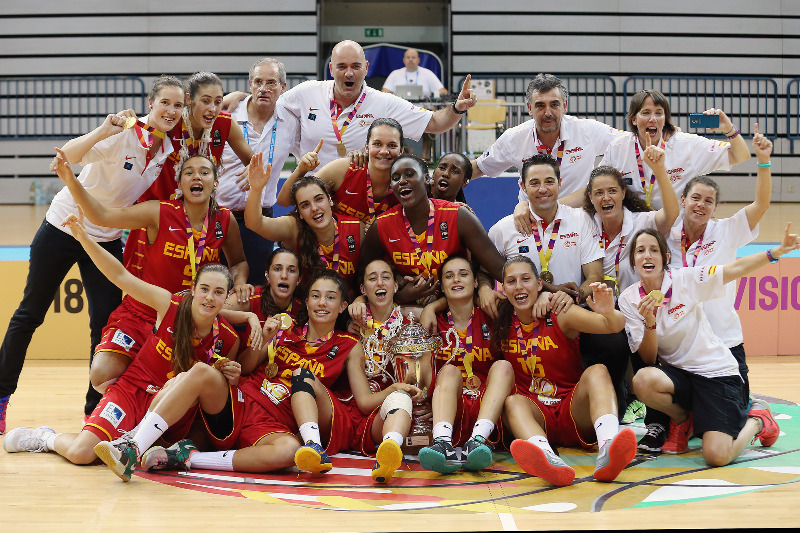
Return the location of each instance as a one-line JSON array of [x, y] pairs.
[[42, 492]]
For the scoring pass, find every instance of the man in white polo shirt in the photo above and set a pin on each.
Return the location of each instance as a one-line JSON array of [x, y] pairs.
[[340, 111], [413, 74], [573, 142], [267, 128]]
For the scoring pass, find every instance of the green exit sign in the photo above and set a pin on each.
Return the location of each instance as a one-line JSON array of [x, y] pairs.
[[373, 32]]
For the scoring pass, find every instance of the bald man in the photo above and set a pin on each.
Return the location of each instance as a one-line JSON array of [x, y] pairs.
[[413, 74], [340, 111]]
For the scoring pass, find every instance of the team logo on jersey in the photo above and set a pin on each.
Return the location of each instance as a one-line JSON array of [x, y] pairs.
[[485, 332], [217, 138], [524, 249], [123, 340], [218, 346], [127, 165], [443, 229], [351, 244], [218, 230], [333, 352], [312, 116], [113, 413]]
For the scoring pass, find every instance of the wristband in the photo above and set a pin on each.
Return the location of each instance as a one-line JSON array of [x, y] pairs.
[[649, 328], [456, 111], [772, 258], [765, 165], [735, 133]]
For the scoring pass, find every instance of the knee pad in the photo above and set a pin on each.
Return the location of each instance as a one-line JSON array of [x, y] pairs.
[[299, 383], [393, 402]]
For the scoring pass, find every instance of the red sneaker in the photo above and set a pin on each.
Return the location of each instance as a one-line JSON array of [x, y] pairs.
[[769, 433], [539, 463], [614, 455], [679, 434]]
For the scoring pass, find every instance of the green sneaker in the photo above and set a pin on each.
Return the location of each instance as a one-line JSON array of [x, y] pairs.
[[120, 455], [176, 457], [477, 453], [634, 412], [440, 457]]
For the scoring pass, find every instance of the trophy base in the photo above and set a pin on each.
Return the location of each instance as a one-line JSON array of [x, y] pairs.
[[415, 442]]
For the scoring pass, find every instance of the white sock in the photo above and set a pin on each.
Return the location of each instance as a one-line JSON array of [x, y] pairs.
[[213, 460], [395, 436], [149, 430], [483, 427], [606, 427], [309, 431], [444, 430], [50, 442], [542, 442]]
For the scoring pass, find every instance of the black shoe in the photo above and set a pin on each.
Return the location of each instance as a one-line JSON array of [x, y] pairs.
[[654, 439]]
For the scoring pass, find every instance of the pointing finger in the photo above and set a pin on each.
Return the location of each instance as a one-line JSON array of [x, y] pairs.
[[319, 147]]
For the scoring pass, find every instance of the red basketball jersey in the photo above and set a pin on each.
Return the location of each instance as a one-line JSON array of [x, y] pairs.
[[483, 355], [351, 198]]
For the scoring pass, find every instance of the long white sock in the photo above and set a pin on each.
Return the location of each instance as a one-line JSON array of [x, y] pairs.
[[483, 427], [309, 431], [149, 430], [542, 442], [444, 430], [395, 436], [50, 442], [213, 460], [606, 427]]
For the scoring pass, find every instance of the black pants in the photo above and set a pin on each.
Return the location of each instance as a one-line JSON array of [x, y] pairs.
[[53, 253], [612, 351], [257, 249]]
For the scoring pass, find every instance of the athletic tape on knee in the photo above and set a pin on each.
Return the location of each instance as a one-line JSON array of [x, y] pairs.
[[393, 402], [299, 383], [103, 387]]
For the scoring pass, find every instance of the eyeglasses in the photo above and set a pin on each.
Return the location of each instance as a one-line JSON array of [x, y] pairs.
[[270, 84]]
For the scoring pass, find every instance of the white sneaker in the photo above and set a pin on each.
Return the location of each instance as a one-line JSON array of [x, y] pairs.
[[23, 439]]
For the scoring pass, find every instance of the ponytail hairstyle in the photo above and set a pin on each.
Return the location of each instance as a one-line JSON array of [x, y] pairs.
[[330, 274], [183, 347], [213, 206], [268, 305], [505, 310], [307, 244], [195, 82]]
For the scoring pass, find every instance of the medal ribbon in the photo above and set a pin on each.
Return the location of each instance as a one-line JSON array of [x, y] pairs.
[[531, 359], [187, 140], [685, 244], [215, 331], [194, 259], [334, 264], [605, 242], [428, 266], [647, 190], [147, 140], [544, 257], [468, 355], [373, 211], [667, 296], [336, 131], [272, 347], [321, 340]]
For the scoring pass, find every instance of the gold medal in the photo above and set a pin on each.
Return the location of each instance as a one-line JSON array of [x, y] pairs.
[[473, 382], [271, 370], [219, 362], [547, 276], [658, 296], [341, 149], [286, 321], [129, 123]]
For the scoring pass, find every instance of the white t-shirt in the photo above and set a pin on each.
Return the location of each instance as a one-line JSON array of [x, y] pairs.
[[116, 173], [577, 244], [583, 138], [422, 76], [631, 223], [310, 102], [686, 155], [685, 338], [718, 247], [287, 137]]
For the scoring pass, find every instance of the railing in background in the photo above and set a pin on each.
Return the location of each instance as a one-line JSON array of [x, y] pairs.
[[793, 111], [239, 83], [745, 99], [40, 108]]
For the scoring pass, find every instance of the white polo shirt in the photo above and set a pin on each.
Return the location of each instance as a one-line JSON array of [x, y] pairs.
[[685, 338], [422, 76], [116, 173], [686, 155], [577, 244], [287, 139], [310, 102], [631, 223], [720, 241], [584, 139]]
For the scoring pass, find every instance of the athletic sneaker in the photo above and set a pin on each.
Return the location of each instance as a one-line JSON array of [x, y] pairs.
[[478, 453], [634, 412], [387, 460], [542, 463], [654, 439], [440, 457], [24, 439], [312, 458], [3, 407], [615, 455], [679, 434], [176, 457], [770, 430], [120, 455]]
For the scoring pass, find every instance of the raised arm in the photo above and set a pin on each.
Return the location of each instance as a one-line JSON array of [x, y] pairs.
[[745, 265], [446, 118], [763, 149], [283, 228], [140, 215], [307, 163], [150, 295], [739, 152], [666, 216], [76, 148]]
